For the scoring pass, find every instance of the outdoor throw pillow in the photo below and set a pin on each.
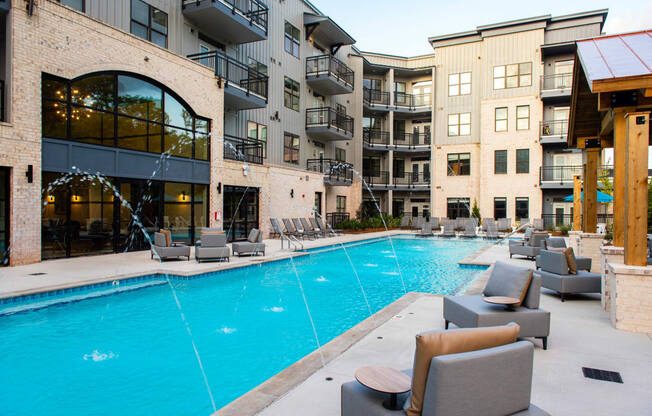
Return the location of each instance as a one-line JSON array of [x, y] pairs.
[[570, 259], [508, 280], [168, 237], [453, 341]]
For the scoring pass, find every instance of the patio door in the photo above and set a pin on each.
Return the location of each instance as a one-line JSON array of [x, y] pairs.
[[240, 209]]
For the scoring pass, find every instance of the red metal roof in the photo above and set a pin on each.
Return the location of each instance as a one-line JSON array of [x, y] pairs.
[[611, 57]]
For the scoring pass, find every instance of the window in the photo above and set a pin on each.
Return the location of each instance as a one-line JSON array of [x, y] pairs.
[[291, 148], [500, 161], [459, 124], [257, 66], [340, 154], [523, 117], [522, 208], [256, 131], [459, 84], [149, 23], [75, 4], [513, 76], [371, 166], [291, 95], [341, 204], [373, 84], [500, 208], [459, 164], [457, 208], [523, 161], [292, 42], [500, 123], [92, 109]]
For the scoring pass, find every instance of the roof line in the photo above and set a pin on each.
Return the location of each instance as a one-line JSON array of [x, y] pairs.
[[634, 53]]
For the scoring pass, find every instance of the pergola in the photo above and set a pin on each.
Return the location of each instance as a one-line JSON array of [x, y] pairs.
[[610, 107]]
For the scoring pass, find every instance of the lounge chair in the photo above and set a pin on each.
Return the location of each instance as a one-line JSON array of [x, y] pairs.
[[405, 222], [253, 245], [489, 381], [529, 249], [469, 229], [212, 247], [305, 233], [276, 228], [492, 231], [317, 227], [449, 229], [538, 224], [164, 249], [505, 224], [426, 230], [556, 276], [472, 311], [290, 230], [417, 223], [326, 227], [486, 221], [307, 227], [583, 263], [434, 222]]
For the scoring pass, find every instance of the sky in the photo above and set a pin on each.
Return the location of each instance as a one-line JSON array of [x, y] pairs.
[[403, 27]]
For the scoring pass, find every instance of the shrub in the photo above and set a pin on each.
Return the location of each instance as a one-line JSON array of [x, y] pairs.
[[475, 212], [564, 229]]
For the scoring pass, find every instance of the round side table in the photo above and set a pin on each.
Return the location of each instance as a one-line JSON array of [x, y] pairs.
[[385, 380]]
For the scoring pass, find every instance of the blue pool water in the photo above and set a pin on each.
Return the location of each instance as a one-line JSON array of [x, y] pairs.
[[130, 353]]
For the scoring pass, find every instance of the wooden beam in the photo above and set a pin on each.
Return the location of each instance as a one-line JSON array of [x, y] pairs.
[[590, 203], [622, 84], [620, 160], [577, 203], [636, 189], [607, 123], [647, 92]]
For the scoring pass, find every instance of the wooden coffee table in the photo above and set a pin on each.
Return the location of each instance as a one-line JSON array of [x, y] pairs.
[[503, 300], [385, 380]]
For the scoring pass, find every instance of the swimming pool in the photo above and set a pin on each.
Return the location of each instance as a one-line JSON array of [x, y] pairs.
[[130, 353]]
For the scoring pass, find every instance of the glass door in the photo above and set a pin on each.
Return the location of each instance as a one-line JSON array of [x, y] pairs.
[[240, 207]]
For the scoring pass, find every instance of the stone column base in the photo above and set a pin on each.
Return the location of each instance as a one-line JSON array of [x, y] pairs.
[[588, 245], [610, 254], [630, 292]]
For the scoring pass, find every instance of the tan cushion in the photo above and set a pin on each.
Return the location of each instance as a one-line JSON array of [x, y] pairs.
[[570, 259], [454, 341], [168, 237]]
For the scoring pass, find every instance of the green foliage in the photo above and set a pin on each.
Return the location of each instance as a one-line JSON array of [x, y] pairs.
[[564, 229], [373, 222], [475, 211]]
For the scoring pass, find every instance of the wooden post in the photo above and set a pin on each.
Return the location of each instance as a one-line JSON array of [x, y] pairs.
[[638, 135], [620, 159], [590, 203], [577, 203]]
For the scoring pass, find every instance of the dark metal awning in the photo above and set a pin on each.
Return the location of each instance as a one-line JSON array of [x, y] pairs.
[[326, 32]]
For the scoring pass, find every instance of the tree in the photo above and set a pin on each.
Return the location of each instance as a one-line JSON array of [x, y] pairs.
[[475, 211]]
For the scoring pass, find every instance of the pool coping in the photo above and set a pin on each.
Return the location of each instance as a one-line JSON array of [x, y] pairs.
[[275, 387]]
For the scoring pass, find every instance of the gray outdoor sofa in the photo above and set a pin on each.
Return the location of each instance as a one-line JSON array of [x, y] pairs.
[[555, 276], [472, 311], [529, 248], [254, 244], [164, 251], [212, 247], [583, 263], [491, 381]]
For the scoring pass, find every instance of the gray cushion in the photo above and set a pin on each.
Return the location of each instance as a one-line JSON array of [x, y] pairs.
[[582, 282], [253, 235], [159, 240], [508, 280], [556, 242], [213, 240]]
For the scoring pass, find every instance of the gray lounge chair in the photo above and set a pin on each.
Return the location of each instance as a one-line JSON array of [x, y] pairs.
[[254, 244], [491, 381], [529, 249], [426, 230], [492, 231], [472, 311], [405, 222], [290, 230], [317, 227], [302, 231], [554, 276], [417, 223], [583, 263], [163, 251], [486, 221], [434, 222], [212, 247], [276, 228], [326, 227], [307, 227], [449, 229], [469, 229], [505, 224]]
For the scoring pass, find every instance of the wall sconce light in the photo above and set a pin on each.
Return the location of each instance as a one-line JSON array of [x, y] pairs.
[[30, 173], [75, 198], [291, 193], [183, 197], [50, 198], [219, 188]]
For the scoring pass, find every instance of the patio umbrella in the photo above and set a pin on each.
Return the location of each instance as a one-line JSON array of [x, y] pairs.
[[602, 198]]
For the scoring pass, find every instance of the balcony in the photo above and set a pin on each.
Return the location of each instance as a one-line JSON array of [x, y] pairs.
[[326, 124], [553, 131], [231, 21], [411, 142], [412, 103], [244, 87], [335, 172], [556, 87], [377, 179], [244, 150], [558, 220], [374, 100], [559, 177], [325, 32], [328, 75], [375, 139], [335, 219], [414, 181]]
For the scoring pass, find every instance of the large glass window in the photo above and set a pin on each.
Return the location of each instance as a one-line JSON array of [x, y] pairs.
[[459, 164], [500, 208], [291, 148], [292, 42], [340, 203], [522, 206], [513, 76], [523, 161], [200, 208], [458, 208], [500, 122], [177, 210], [500, 161], [459, 84], [291, 94], [149, 23], [459, 124], [257, 131], [116, 109]]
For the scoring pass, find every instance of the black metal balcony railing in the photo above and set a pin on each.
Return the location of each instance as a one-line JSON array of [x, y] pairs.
[[558, 220], [411, 179], [234, 72], [329, 65], [378, 178], [329, 117], [375, 137], [332, 169], [554, 128], [556, 81], [561, 174], [237, 148], [2, 100], [411, 140], [375, 97], [254, 10], [335, 219], [404, 99]]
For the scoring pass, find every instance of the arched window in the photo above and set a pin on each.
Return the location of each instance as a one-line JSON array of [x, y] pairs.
[[123, 110]]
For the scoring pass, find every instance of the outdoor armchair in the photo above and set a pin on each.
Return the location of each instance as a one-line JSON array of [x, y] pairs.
[[529, 249], [469, 229], [164, 249], [253, 245], [555, 276], [492, 231], [583, 263], [317, 227], [307, 227], [212, 247]]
